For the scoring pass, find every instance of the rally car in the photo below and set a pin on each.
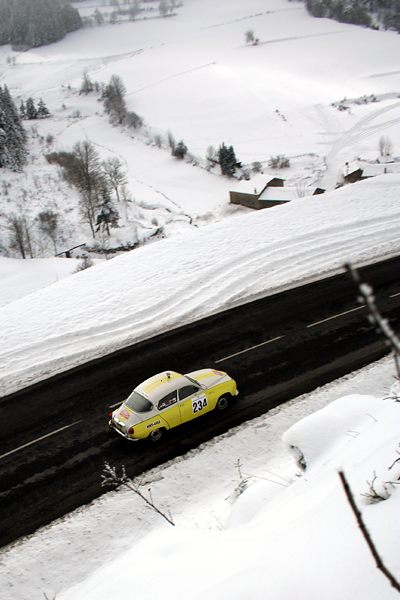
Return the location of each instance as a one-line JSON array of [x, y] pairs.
[[169, 399]]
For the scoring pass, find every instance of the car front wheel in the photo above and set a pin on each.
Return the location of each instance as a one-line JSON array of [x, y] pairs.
[[223, 402]]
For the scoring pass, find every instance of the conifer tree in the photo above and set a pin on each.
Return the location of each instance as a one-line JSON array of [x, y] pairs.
[[22, 110], [227, 160], [12, 134], [31, 23], [30, 110], [42, 110], [108, 215]]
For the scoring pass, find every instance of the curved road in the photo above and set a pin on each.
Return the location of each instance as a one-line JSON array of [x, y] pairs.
[[55, 437]]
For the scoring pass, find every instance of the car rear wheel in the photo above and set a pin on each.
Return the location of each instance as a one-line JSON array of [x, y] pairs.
[[223, 402], [156, 435]]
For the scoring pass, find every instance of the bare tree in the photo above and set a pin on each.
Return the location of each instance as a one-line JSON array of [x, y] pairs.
[[134, 10], [28, 239], [16, 226], [111, 478], [126, 197], [116, 176], [48, 224], [385, 146], [250, 37], [89, 179], [171, 142], [163, 8]]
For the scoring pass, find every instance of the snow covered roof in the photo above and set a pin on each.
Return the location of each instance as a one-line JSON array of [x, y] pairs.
[[385, 159], [279, 194], [255, 185], [370, 169]]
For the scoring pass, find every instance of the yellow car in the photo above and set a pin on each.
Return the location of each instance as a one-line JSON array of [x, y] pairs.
[[169, 399]]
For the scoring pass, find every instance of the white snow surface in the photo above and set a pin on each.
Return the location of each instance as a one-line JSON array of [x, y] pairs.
[[181, 279]]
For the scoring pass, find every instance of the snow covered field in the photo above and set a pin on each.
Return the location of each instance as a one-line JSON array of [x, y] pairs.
[[193, 75], [294, 536]]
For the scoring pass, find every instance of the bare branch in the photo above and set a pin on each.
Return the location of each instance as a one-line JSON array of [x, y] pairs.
[[111, 478], [373, 495], [375, 318], [366, 534]]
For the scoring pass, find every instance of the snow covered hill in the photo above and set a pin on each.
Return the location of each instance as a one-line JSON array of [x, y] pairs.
[[194, 76]]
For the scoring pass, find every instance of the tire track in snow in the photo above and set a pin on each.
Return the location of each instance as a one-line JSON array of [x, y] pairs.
[[179, 74], [216, 286], [355, 134]]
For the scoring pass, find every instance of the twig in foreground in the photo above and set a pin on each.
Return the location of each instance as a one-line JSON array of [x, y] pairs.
[[365, 533]]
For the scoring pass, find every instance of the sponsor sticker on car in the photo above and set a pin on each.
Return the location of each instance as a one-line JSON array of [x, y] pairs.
[[152, 424]]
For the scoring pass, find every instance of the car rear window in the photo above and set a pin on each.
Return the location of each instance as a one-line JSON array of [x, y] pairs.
[[139, 404]]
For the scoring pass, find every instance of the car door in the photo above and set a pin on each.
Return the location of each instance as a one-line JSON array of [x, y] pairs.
[[169, 410], [193, 402]]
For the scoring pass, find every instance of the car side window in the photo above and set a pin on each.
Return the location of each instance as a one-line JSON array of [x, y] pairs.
[[187, 390], [168, 400]]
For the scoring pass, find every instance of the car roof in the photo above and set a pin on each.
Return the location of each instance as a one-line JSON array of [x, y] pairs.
[[160, 385]]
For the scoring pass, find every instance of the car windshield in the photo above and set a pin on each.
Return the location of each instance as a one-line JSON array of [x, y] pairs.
[[193, 381], [137, 403]]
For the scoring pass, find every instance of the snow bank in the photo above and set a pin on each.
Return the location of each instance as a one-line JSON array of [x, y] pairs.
[[179, 280]]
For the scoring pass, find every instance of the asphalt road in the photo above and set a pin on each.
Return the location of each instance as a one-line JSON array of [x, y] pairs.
[[54, 436]]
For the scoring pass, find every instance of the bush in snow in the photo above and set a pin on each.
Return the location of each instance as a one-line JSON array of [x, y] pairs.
[[279, 162]]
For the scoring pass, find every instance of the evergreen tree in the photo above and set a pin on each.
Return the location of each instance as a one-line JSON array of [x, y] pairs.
[[108, 215], [42, 110], [22, 110], [180, 150], [30, 110], [98, 17], [13, 137], [227, 160], [31, 23], [113, 96]]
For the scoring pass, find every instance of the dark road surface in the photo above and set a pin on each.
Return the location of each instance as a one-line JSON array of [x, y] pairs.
[[54, 436]]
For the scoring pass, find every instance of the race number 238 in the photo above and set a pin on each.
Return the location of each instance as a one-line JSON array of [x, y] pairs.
[[198, 403]]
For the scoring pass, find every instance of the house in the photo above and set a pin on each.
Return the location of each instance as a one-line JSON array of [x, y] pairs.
[[362, 169], [263, 192], [247, 193]]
